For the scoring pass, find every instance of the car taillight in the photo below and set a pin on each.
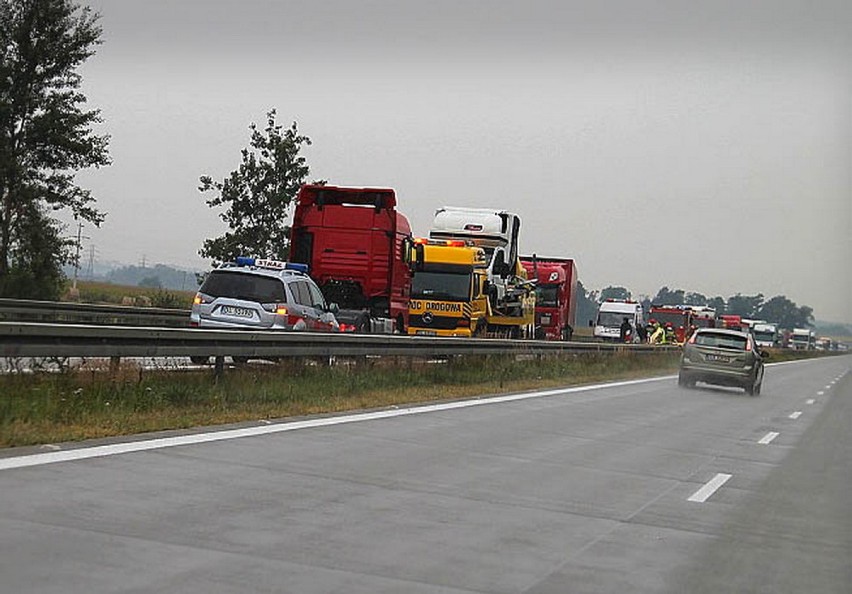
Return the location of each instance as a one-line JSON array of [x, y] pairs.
[[692, 338], [748, 345], [347, 327], [201, 298]]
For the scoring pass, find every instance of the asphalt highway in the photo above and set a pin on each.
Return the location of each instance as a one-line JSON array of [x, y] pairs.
[[630, 487]]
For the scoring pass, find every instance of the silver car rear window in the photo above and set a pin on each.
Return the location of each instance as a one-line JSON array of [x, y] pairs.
[[245, 286], [725, 341]]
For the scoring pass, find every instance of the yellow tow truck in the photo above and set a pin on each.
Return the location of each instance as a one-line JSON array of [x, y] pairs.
[[451, 296]]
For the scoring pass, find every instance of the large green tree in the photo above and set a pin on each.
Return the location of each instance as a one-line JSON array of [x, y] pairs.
[[46, 137], [744, 305], [612, 292], [666, 296], [786, 313], [257, 195]]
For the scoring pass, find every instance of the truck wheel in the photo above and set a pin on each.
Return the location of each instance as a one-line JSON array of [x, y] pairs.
[[198, 360]]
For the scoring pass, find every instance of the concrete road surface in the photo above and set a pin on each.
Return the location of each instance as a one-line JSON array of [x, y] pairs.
[[633, 487]]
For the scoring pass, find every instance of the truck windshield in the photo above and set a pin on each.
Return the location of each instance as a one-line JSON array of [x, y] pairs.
[[548, 296], [674, 318], [450, 286], [764, 336]]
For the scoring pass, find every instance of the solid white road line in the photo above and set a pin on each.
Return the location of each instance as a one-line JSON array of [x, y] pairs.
[[767, 439], [168, 442], [704, 493], [796, 415]]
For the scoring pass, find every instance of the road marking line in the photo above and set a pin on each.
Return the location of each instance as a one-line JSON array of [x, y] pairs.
[[223, 435], [767, 439], [796, 415], [820, 393], [704, 493], [828, 387], [810, 401]]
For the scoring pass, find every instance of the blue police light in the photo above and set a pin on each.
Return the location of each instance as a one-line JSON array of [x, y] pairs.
[[244, 261], [297, 266]]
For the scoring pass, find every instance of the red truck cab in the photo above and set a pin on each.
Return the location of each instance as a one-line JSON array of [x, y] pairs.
[[556, 295], [352, 241]]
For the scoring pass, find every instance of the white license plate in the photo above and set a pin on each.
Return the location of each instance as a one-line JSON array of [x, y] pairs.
[[237, 312], [427, 333], [718, 358]]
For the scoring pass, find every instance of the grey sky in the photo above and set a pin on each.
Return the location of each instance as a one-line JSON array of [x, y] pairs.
[[644, 139]]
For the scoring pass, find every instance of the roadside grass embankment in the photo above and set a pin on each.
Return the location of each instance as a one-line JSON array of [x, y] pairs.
[[108, 293], [44, 408]]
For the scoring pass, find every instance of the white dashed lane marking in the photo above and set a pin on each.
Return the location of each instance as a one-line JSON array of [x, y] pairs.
[[767, 439], [810, 401], [704, 493], [796, 415]]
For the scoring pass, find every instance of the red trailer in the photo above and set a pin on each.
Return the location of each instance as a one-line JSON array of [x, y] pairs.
[[555, 295], [352, 241]]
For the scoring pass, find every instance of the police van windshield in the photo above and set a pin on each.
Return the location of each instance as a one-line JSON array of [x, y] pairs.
[[448, 286], [613, 318]]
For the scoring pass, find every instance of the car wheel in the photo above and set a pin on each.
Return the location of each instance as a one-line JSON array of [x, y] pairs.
[[200, 360], [749, 389], [683, 382], [757, 388]]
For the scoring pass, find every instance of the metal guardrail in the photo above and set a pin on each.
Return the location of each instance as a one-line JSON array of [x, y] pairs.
[[26, 339], [62, 312]]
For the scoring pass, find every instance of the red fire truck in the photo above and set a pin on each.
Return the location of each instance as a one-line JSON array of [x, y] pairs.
[[678, 317], [555, 295], [352, 241], [730, 321]]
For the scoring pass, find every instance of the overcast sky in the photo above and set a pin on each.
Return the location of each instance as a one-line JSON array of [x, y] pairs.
[[699, 145]]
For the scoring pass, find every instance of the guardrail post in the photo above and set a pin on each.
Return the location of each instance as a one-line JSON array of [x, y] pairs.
[[114, 364], [218, 367]]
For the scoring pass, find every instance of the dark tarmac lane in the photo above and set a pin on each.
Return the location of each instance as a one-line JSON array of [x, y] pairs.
[[632, 487]]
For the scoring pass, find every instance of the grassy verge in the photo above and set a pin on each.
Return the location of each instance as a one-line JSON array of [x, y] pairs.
[[70, 406]]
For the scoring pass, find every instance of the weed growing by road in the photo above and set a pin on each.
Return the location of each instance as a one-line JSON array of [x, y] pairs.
[[75, 405]]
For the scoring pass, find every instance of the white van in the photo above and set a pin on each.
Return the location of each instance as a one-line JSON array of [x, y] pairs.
[[611, 314]]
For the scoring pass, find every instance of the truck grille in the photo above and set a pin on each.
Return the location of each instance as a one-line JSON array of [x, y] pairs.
[[436, 323]]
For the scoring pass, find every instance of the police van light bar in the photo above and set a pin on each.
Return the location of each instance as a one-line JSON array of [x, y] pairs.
[[271, 264]]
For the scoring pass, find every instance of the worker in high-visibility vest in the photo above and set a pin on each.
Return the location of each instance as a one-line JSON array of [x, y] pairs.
[[658, 336]]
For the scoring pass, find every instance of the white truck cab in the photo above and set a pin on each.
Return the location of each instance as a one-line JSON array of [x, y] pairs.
[[611, 314], [496, 231]]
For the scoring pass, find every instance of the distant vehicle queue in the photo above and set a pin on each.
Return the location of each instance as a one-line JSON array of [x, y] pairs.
[[623, 320], [364, 271]]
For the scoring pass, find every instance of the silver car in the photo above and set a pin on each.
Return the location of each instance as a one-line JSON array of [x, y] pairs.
[[722, 357], [258, 294]]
